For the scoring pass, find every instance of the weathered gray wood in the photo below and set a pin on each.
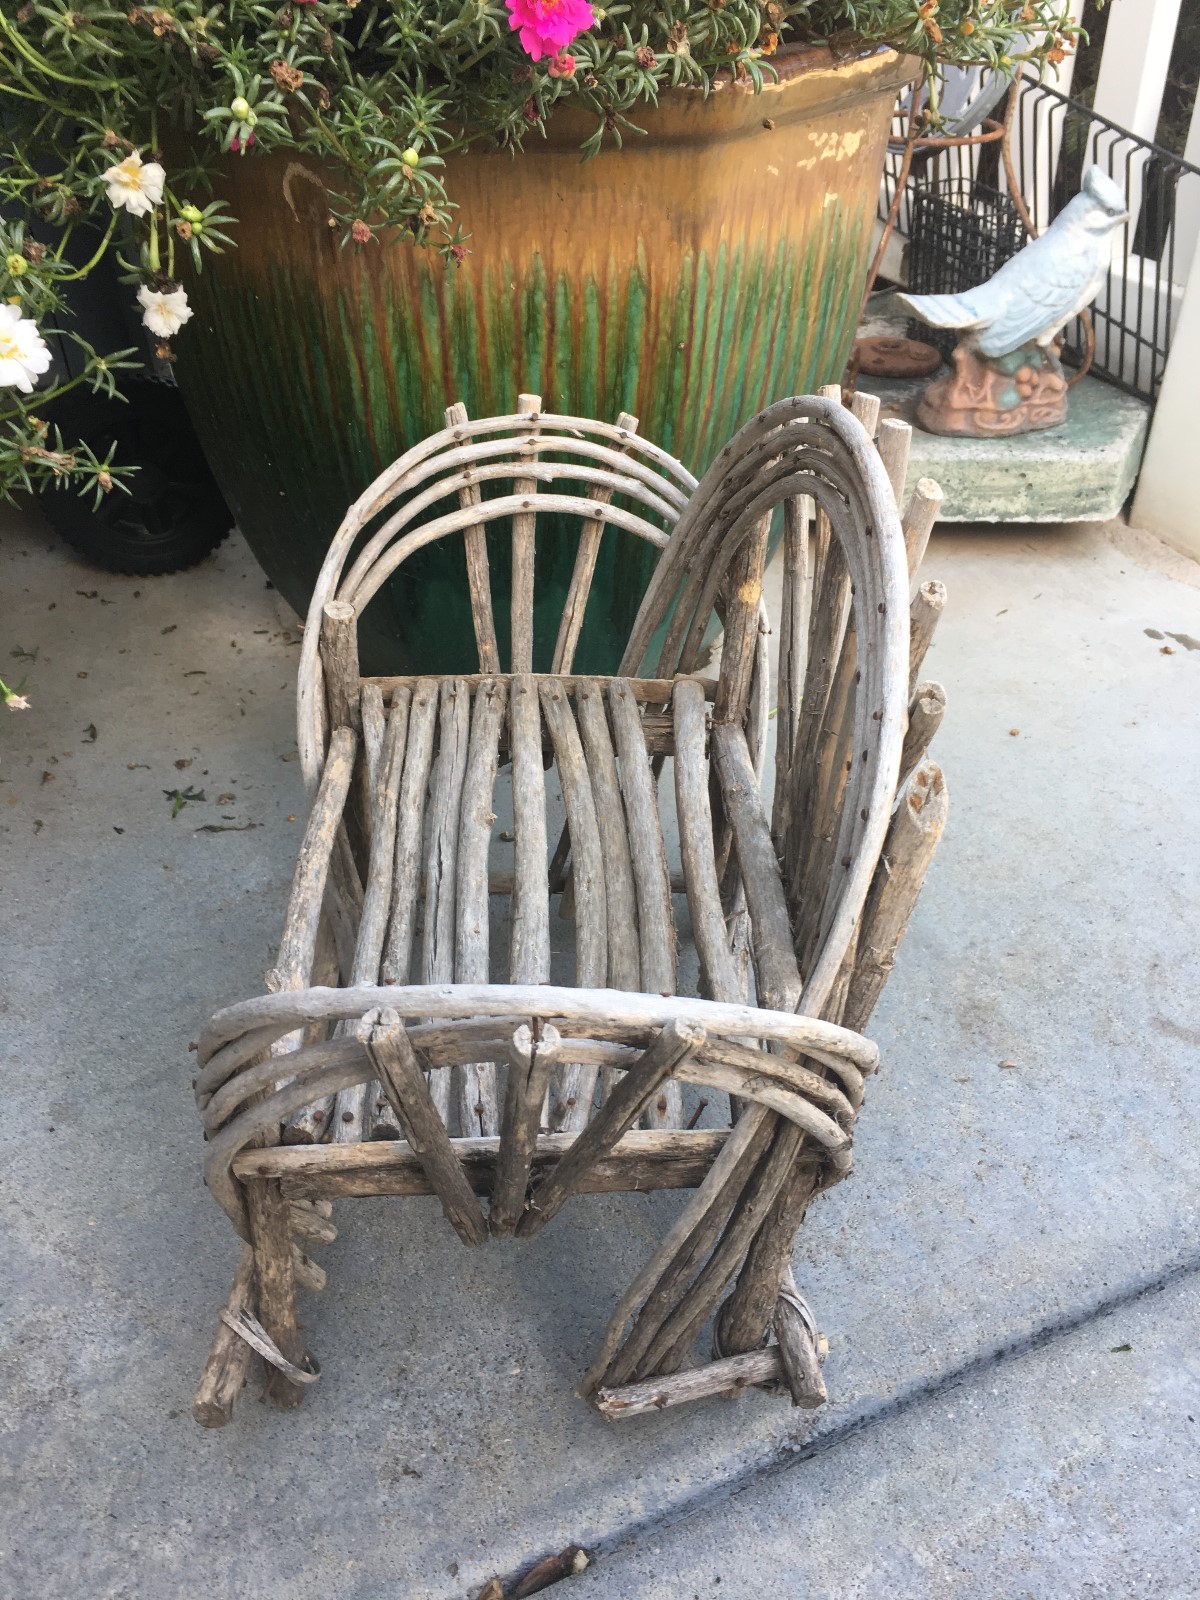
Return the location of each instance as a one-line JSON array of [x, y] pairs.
[[657, 1288], [351, 1106], [271, 1239], [531, 1062], [801, 1347], [776, 973], [576, 1081], [893, 444], [339, 659], [793, 653], [410, 832], [865, 407], [924, 614], [479, 577], [656, 924], [529, 947], [624, 953], [643, 1161], [441, 859], [912, 839], [729, 1378], [307, 1273], [581, 576], [646, 691], [374, 723], [919, 518], [620, 1111], [741, 625], [386, 1043], [696, 845], [311, 1225], [228, 1363], [924, 719], [475, 1082], [523, 536]]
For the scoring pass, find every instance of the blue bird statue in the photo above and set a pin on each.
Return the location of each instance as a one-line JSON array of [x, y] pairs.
[[1035, 294], [1006, 376]]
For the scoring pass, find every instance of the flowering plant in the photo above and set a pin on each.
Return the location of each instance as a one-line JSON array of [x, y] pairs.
[[92, 93]]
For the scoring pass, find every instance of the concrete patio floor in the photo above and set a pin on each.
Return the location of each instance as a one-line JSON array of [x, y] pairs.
[[986, 1433]]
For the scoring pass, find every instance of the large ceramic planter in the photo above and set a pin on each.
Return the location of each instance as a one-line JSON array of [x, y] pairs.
[[706, 269]]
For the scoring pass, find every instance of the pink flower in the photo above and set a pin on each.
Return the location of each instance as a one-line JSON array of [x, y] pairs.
[[562, 65], [235, 144], [547, 25]]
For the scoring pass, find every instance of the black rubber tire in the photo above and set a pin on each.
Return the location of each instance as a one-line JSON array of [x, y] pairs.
[[174, 514]]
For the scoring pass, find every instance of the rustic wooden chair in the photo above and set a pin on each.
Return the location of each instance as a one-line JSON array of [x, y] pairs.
[[385, 1060]]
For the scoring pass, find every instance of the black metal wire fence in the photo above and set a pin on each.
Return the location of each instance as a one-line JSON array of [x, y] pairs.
[[1053, 142]]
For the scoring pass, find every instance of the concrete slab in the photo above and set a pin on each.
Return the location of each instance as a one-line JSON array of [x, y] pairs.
[[1083, 471], [1068, 1472], [443, 1443]]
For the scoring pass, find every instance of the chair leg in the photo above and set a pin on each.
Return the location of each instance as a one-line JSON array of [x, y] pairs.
[[271, 1238]]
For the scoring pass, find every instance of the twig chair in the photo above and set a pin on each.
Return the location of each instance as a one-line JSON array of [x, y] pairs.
[[384, 1059]]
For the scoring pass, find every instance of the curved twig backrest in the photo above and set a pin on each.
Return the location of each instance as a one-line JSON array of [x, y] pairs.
[[844, 652], [559, 464]]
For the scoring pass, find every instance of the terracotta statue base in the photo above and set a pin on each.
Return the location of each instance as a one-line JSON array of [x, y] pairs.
[[987, 397]]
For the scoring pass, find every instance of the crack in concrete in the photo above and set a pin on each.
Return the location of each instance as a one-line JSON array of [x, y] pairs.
[[788, 1456]]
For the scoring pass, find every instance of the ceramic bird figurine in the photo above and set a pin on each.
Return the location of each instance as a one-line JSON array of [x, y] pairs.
[[1035, 294], [1006, 375]]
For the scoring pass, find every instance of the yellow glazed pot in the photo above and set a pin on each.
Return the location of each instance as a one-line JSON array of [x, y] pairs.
[[709, 267]]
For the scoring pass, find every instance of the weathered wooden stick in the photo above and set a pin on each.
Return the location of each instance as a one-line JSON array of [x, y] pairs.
[[531, 1062], [410, 829], [652, 882], [776, 972], [924, 614], [523, 525], [382, 1036], [924, 719], [307, 1273], [581, 576], [228, 1363], [793, 653], [912, 839], [624, 962], [441, 862], [919, 518], [658, 1286], [475, 1082], [800, 1347], [741, 625], [644, 1160], [730, 1377], [894, 443], [309, 1224], [696, 846], [620, 1111], [374, 724], [339, 659], [478, 574], [646, 691], [351, 1105], [271, 1238], [577, 1082], [529, 945]]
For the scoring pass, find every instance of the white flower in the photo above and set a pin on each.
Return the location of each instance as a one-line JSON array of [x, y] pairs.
[[16, 702], [135, 184], [164, 314], [24, 354]]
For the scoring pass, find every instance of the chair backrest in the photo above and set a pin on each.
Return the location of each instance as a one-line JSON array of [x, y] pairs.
[[570, 466], [843, 679]]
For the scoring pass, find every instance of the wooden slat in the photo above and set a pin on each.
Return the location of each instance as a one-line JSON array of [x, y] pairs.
[[531, 1062], [575, 605], [577, 1081], [656, 923], [620, 1111], [478, 575], [523, 550], [641, 1162], [696, 846], [529, 948], [410, 826], [475, 1082], [441, 860], [386, 1044]]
